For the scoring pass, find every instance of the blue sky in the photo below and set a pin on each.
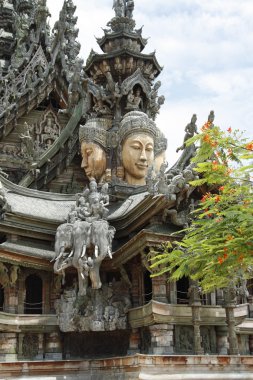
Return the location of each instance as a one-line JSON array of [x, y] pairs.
[[205, 48]]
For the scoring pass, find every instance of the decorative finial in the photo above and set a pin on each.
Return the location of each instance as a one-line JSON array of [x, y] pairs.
[[123, 8]]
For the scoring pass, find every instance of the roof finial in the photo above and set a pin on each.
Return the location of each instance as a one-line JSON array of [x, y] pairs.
[[123, 8]]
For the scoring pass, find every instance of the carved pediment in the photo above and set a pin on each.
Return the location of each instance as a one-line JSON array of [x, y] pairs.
[[136, 79]]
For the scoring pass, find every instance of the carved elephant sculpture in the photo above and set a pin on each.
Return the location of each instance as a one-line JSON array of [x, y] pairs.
[[63, 240]]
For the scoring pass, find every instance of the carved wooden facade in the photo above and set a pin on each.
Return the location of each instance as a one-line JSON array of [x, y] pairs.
[[48, 102]]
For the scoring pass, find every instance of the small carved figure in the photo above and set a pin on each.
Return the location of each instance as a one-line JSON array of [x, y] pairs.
[[119, 8], [211, 119], [27, 142], [14, 274], [129, 8], [4, 277], [190, 129], [134, 101]]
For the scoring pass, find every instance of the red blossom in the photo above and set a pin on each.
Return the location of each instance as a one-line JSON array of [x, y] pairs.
[[249, 146]]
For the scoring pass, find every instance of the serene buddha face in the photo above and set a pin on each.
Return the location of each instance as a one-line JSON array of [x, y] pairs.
[[93, 160], [137, 156]]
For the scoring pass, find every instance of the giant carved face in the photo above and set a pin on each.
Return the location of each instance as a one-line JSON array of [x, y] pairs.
[[137, 156], [93, 160]]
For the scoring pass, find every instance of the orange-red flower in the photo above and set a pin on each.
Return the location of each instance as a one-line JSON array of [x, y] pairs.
[[249, 146], [220, 260], [206, 138], [229, 130], [207, 125], [217, 199]]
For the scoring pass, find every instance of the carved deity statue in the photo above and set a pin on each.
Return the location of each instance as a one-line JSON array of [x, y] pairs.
[[134, 100], [137, 135], [119, 8], [190, 129], [93, 144]]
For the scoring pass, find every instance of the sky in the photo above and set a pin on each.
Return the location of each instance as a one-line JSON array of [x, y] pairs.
[[205, 48]]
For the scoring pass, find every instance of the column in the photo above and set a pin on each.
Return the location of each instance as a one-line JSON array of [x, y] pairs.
[[162, 339], [195, 302], [172, 291], [222, 340], [232, 337], [250, 301], [230, 302], [251, 344], [53, 346], [8, 347], [134, 342], [159, 289], [11, 301]]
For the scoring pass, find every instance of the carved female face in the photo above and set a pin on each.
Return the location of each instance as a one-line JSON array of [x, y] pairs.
[[94, 160], [137, 156]]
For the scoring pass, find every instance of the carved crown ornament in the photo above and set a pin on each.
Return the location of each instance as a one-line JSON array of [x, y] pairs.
[[136, 122], [95, 130]]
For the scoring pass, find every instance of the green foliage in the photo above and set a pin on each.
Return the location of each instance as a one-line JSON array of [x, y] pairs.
[[218, 246]]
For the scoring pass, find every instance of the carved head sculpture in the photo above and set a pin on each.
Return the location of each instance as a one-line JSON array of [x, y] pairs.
[[93, 140], [137, 136]]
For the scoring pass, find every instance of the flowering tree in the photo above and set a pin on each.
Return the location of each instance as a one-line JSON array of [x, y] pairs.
[[217, 248]]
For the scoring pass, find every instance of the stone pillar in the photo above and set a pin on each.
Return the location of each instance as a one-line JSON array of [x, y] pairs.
[[195, 302], [11, 299], [219, 297], [162, 339], [250, 301], [40, 355], [232, 337], [53, 346], [134, 342], [172, 291], [8, 347], [251, 344], [21, 294], [213, 298], [222, 340], [137, 284], [198, 349], [243, 343], [20, 346], [159, 289]]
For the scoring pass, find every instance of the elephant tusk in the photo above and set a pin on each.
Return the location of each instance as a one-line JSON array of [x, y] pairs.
[[109, 253], [71, 253], [96, 251], [84, 251], [60, 256]]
